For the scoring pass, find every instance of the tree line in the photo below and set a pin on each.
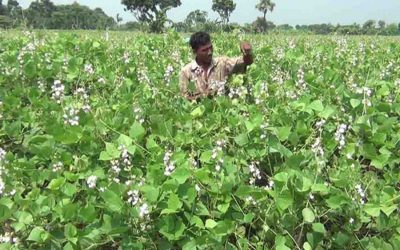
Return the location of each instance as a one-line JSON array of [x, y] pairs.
[[44, 14], [151, 16]]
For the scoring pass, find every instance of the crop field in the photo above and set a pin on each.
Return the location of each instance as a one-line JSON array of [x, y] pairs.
[[98, 150]]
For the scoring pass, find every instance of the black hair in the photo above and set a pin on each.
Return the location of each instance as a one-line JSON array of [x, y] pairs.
[[199, 39]]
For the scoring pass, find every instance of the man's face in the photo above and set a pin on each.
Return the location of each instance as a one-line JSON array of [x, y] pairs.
[[204, 54]]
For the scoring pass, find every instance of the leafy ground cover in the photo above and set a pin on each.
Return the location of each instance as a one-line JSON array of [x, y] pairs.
[[98, 151]]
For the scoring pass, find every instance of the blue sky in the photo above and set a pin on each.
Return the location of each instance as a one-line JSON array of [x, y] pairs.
[[286, 11]]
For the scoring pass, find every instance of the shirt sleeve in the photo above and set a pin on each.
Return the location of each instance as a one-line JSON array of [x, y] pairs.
[[234, 65], [183, 83]]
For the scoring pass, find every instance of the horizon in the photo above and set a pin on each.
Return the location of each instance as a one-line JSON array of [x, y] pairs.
[[301, 12]]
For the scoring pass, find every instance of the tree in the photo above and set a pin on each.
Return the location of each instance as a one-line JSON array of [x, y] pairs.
[[39, 13], [118, 18], [224, 8], [76, 16], [262, 25], [264, 6], [153, 12], [5, 21], [381, 24], [14, 12], [196, 18], [3, 9]]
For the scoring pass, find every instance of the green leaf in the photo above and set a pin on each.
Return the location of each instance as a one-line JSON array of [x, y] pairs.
[[124, 140], [336, 201], [283, 133], [55, 184], [24, 217], [318, 228], [5, 213], [316, 105], [284, 200], [150, 192], [308, 215], [210, 223], [241, 139], [355, 103], [137, 131], [70, 231], [174, 203], [112, 200], [388, 210], [248, 218], [199, 111], [372, 209], [38, 234]]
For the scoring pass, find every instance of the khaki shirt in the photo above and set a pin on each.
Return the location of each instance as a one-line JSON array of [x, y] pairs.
[[219, 70]]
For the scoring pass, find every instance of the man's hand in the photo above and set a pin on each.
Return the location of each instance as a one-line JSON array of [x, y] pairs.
[[245, 47]]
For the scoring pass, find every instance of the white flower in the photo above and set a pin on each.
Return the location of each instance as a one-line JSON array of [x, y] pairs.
[[91, 181], [101, 80], [351, 221], [89, 69], [57, 91], [57, 166], [71, 116], [143, 210], [133, 197]]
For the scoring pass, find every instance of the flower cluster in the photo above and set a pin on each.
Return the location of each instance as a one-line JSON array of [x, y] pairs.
[[263, 128], [124, 161], [251, 200], [133, 197], [219, 148], [263, 93], [91, 181], [256, 174], [367, 92], [279, 76], [57, 166], [138, 113], [270, 185], [361, 193], [219, 165], [340, 135], [101, 80], [2, 169], [144, 210], [71, 116], [169, 165], [7, 237], [1, 107], [142, 74], [386, 72], [89, 69], [219, 87], [126, 58], [81, 94], [240, 92], [317, 148], [42, 86], [168, 74], [300, 82], [57, 91], [319, 125]]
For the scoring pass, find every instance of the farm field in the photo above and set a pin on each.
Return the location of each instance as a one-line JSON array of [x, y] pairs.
[[99, 151]]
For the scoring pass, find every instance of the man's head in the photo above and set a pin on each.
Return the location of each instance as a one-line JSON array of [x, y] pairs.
[[202, 47]]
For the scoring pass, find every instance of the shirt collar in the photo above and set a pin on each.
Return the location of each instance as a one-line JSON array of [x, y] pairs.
[[194, 66]]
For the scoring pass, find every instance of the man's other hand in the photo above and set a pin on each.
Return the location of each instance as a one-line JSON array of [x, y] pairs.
[[245, 47]]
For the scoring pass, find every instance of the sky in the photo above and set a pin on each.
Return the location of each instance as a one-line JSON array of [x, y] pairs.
[[286, 11]]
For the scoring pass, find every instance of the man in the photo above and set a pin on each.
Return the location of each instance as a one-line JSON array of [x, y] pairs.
[[205, 71]]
